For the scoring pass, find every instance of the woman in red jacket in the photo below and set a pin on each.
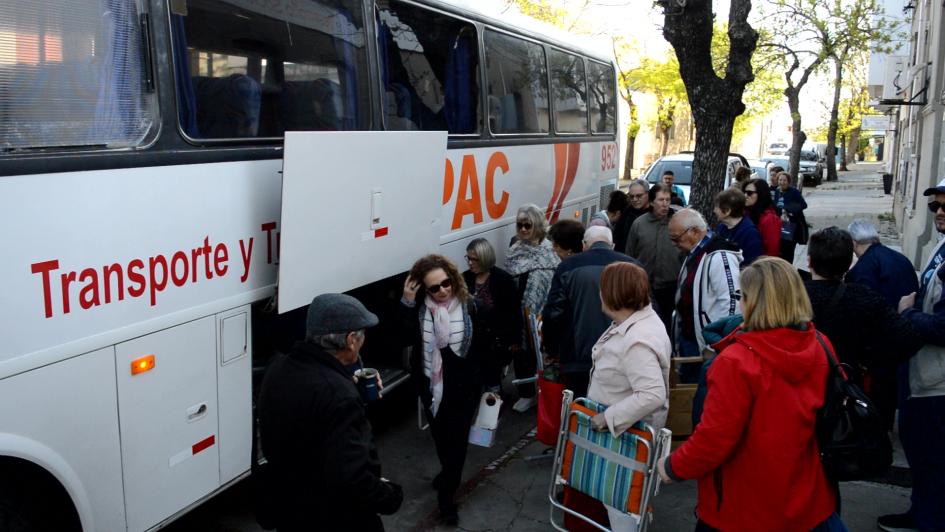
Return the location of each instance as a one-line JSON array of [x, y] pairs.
[[754, 452], [762, 214]]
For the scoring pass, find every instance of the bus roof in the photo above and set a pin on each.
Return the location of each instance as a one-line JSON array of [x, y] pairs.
[[491, 13]]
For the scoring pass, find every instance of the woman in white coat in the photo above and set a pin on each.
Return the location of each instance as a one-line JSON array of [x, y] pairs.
[[631, 361]]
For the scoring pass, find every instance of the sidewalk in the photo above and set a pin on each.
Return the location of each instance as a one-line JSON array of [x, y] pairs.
[[511, 494]]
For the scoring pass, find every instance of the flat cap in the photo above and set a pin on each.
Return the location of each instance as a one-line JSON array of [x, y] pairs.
[[337, 313], [937, 189]]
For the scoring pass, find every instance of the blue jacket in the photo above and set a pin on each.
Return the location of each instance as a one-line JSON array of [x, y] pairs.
[[572, 320], [886, 271], [746, 236]]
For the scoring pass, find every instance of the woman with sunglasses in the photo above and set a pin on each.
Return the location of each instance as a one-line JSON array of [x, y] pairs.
[[446, 367], [762, 214], [531, 261], [498, 310], [754, 452]]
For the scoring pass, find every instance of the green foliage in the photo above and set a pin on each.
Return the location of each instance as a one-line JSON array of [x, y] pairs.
[[762, 95], [662, 80], [549, 11]]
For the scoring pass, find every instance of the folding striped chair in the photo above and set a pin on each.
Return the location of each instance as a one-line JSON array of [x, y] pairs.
[[618, 471]]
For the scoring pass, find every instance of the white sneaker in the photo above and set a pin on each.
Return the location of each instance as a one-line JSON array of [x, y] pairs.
[[524, 404]]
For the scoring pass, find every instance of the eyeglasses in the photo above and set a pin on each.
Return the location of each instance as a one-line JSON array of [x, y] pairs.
[[434, 288], [676, 238], [750, 192], [470, 258], [934, 206], [638, 196], [523, 225]]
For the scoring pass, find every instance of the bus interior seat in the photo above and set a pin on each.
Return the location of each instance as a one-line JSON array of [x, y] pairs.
[[227, 107], [312, 105]]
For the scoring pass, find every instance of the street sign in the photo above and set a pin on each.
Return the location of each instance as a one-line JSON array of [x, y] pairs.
[[874, 123]]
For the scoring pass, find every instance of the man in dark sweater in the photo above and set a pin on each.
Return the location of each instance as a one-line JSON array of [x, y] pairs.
[[866, 333], [884, 270], [323, 472], [572, 319]]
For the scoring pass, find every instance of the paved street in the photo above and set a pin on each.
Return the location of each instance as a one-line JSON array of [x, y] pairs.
[[503, 490]]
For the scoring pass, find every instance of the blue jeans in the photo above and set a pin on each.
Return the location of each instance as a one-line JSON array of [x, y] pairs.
[[922, 432]]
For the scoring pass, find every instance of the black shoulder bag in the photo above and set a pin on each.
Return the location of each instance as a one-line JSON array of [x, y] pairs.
[[853, 441]]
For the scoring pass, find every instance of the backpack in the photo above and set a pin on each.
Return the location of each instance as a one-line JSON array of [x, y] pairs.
[[852, 439]]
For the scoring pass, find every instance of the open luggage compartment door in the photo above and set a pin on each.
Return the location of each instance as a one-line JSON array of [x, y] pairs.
[[357, 207]]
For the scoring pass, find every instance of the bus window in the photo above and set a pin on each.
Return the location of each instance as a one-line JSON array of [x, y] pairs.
[[518, 84], [71, 75], [569, 91], [429, 69], [245, 72], [603, 99]]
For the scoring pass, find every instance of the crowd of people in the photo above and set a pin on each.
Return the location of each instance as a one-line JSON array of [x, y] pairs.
[[646, 280]]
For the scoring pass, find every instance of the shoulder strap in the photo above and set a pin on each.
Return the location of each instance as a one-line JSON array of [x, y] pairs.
[[831, 358]]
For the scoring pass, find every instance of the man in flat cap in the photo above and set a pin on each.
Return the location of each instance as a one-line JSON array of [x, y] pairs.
[[922, 396], [324, 472]]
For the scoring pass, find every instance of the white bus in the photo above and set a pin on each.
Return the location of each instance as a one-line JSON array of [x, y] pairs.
[[141, 150]]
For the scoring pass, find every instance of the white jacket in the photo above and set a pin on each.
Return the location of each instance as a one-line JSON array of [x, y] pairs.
[[715, 285]]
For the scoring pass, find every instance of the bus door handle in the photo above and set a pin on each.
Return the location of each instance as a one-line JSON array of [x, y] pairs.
[[196, 412]]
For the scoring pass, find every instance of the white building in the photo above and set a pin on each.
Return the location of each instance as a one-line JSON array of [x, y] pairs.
[[909, 85]]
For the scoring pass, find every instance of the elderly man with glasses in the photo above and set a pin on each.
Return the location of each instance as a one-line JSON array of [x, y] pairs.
[[707, 285], [922, 389], [639, 204]]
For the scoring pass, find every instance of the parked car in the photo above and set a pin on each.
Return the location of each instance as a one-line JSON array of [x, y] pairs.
[[778, 148], [681, 166], [810, 168]]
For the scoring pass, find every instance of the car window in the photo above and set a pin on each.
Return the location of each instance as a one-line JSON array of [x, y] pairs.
[[682, 171]]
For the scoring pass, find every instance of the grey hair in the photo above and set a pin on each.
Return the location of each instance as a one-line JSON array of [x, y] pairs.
[[484, 252], [863, 232], [691, 219], [597, 233], [333, 342], [534, 215], [641, 182]]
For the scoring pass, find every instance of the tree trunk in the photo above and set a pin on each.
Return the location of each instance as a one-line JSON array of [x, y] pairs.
[[713, 137], [714, 101], [853, 143], [843, 153], [664, 140], [834, 122], [628, 160], [797, 135]]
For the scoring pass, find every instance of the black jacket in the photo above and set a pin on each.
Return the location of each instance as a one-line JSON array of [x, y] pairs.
[[501, 326], [323, 467], [863, 329], [622, 227], [572, 320]]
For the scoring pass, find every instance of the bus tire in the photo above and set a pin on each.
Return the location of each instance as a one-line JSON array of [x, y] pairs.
[[32, 500]]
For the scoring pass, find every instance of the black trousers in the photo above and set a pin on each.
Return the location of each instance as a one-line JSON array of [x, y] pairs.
[[665, 302], [787, 250], [450, 430], [577, 382], [525, 365]]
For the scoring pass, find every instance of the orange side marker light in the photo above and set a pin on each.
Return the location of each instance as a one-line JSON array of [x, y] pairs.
[[577, 214], [142, 365]]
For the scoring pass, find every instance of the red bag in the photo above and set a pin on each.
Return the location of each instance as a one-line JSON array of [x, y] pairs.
[[584, 505], [549, 410]]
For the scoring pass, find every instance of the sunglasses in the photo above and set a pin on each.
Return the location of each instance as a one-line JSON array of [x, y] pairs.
[[445, 283], [470, 258], [523, 225], [750, 192], [738, 294], [934, 206]]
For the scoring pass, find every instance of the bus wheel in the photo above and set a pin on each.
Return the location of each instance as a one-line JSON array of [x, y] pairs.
[[31, 500]]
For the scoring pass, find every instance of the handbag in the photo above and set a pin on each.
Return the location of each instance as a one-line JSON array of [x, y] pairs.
[[851, 435], [549, 410]]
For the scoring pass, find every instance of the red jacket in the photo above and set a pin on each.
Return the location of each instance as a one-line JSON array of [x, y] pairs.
[[769, 225], [754, 452]]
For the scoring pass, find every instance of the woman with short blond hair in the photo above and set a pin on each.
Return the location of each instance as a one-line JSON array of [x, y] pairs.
[[755, 451]]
